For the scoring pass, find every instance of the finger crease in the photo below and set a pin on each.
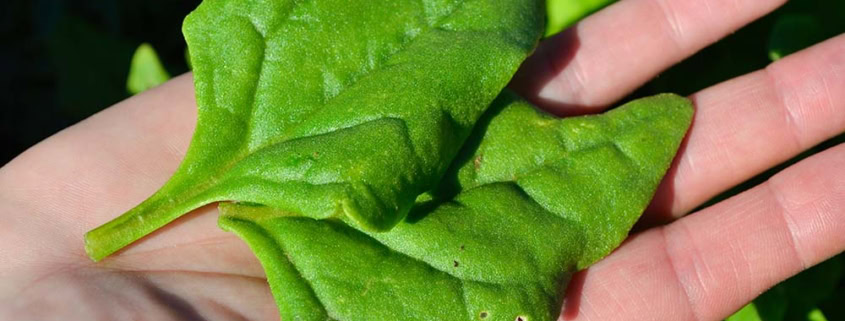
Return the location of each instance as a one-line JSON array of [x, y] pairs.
[[677, 275], [676, 33], [790, 120], [777, 195]]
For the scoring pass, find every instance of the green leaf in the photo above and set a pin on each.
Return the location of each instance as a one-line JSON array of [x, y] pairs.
[[325, 109], [606, 164], [540, 199], [564, 13], [146, 71]]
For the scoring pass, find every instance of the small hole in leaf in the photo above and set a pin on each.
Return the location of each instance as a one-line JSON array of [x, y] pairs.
[[520, 319], [456, 263], [483, 314]]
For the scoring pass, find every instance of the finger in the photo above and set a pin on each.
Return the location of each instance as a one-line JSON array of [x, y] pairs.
[[707, 265], [611, 53], [749, 124]]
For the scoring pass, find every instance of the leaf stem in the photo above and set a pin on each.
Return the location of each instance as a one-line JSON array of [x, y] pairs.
[[152, 214]]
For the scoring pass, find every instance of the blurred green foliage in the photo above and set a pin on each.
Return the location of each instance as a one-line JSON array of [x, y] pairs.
[[815, 294], [793, 32], [65, 60], [564, 13], [145, 70]]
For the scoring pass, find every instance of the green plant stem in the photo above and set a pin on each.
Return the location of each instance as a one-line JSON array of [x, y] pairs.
[[155, 212]]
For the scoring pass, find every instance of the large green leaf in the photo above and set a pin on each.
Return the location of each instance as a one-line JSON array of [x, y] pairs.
[[327, 109], [538, 199]]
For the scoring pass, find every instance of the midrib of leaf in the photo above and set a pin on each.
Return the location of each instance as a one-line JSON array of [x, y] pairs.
[[245, 147]]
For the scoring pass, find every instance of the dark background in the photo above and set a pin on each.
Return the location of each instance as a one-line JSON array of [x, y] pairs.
[[62, 61]]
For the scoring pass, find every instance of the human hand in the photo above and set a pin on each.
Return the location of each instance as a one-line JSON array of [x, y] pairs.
[[702, 266], [709, 264]]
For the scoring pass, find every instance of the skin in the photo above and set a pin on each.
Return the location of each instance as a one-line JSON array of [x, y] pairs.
[[702, 266]]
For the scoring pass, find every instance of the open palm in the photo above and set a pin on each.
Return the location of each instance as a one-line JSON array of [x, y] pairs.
[[699, 267]]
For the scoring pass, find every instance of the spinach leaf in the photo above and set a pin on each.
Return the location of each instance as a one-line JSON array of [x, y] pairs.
[[327, 109], [600, 171], [538, 199]]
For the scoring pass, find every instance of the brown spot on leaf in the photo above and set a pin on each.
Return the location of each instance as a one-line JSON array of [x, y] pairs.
[[477, 161], [483, 315], [456, 263]]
